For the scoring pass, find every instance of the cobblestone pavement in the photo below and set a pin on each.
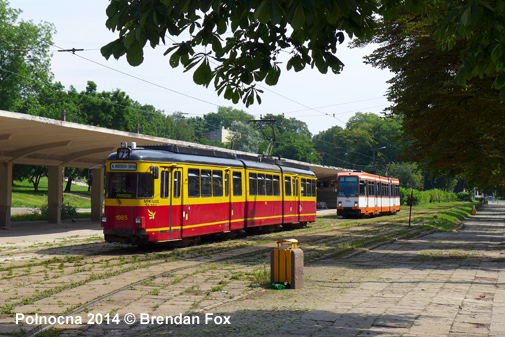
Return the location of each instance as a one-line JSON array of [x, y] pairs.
[[442, 284]]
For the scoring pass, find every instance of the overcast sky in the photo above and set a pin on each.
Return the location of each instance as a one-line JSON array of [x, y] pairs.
[[307, 95]]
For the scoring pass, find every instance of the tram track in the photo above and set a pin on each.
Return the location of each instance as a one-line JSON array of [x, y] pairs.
[[236, 252]]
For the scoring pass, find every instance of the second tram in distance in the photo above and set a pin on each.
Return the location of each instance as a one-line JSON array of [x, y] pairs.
[[362, 194], [164, 193]]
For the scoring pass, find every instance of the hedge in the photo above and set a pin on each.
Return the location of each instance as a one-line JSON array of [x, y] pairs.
[[426, 197]]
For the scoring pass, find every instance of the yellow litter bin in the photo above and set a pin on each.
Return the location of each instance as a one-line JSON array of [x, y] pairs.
[[286, 264]]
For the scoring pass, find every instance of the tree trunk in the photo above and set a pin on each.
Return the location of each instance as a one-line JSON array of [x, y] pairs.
[[69, 185]]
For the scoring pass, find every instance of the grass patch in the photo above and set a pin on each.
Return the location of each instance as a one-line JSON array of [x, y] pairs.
[[450, 219], [24, 195], [38, 216], [261, 275]]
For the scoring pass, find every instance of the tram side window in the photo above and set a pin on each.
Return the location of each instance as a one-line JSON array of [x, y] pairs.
[[164, 184], [362, 188], [253, 184], [302, 187], [295, 187], [277, 185], [261, 184], [269, 182], [193, 183], [226, 183], [217, 183], [314, 187], [177, 184], [237, 184], [287, 186], [206, 179], [145, 186]]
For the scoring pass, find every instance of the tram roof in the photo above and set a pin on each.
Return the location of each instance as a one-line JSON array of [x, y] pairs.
[[178, 154], [368, 176]]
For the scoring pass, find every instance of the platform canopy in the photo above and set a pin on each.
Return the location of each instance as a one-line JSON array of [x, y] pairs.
[[34, 140]]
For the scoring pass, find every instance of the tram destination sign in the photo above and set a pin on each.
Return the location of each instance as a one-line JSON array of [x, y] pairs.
[[123, 166]]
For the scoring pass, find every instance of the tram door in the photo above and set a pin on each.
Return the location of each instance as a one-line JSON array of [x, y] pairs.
[[171, 192], [228, 194], [378, 188], [297, 194]]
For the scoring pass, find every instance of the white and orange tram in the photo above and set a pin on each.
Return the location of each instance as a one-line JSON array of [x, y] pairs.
[[363, 194]]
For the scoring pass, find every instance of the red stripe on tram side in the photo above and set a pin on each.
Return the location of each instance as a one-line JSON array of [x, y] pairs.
[[200, 219], [262, 213]]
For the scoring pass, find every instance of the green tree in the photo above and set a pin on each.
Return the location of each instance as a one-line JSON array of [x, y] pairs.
[[289, 125], [73, 173], [476, 28], [50, 101], [449, 129], [106, 109], [24, 57], [309, 31], [245, 137], [409, 174], [197, 124], [298, 147], [324, 143], [31, 173], [180, 127], [292, 138], [224, 117], [368, 143], [440, 181]]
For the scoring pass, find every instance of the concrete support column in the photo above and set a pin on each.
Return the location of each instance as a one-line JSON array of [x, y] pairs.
[[5, 195], [55, 194], [97, 189]]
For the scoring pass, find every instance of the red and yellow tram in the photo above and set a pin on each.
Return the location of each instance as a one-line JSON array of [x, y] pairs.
[[160, 193], [364, 194]]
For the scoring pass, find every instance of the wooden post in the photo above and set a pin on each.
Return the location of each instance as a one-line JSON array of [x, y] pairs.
[[411, 197]]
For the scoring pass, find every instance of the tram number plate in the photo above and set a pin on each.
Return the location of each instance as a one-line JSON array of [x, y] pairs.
[[123, 153]]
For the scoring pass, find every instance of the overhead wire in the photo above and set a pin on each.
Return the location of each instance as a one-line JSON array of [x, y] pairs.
[[217, 105], [143, 80], [151, 112], [337, 104], [81, 93]]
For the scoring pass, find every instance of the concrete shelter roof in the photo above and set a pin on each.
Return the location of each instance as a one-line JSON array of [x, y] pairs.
[[34, 140]]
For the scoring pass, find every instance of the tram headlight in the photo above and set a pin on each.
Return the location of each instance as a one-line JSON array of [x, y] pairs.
[[103, 221], [139, 222], [355, 204], [340, 204]]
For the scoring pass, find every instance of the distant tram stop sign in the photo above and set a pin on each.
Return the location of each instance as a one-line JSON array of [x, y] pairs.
[[286, 265]]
